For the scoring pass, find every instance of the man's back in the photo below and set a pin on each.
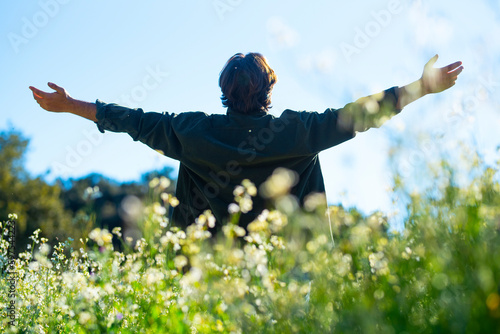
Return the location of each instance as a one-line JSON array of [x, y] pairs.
[[217, 152]]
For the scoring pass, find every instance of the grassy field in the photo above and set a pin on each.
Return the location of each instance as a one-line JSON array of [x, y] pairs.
[[293, 271]]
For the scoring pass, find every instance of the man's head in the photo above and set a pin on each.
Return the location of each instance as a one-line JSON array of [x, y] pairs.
[[246, 82]]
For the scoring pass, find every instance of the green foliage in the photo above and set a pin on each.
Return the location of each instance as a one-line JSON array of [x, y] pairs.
[[36, 203], [291, 272], [66, 208]]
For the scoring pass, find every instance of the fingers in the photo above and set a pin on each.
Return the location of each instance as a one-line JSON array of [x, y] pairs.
[[55, 87], [457, 71], [453, 75], [432, 61], [452, 67], [37, 93], [449, 68]]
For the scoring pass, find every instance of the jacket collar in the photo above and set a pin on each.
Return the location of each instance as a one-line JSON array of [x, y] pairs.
[[235, 113]]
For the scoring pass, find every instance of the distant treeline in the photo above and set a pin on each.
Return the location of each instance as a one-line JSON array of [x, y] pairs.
[[68, 208]]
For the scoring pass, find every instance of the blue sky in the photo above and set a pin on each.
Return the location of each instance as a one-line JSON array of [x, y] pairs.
[[167, 55]]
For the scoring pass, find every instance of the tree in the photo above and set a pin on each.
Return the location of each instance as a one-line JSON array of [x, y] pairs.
[[36, 203]]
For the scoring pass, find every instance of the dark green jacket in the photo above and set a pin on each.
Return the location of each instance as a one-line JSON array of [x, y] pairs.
[[216, 152]]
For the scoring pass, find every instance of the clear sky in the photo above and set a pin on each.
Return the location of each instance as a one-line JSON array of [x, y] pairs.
[[167, 55]]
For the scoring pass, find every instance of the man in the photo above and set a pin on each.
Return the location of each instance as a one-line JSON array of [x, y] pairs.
[[217, 152]]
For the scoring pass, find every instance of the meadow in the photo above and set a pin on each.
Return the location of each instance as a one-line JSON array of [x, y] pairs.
[[313, 270]]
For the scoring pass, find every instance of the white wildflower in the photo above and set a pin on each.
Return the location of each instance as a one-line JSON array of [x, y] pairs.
[[233, 208]]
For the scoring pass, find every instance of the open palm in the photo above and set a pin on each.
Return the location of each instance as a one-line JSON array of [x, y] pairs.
[[57, 101], [435, 80]]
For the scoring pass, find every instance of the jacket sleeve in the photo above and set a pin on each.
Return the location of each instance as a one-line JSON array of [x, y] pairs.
[[334, 126], [151, 128], [370, 111]]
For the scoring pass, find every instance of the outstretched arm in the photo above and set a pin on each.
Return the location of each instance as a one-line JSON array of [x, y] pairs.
[[374, 110], [60, 101], [151, 128]]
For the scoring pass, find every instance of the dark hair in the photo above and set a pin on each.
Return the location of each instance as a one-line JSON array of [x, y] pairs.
[[246, 82]]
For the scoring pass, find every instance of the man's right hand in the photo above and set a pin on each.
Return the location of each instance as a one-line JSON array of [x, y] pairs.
[[58, 101]]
